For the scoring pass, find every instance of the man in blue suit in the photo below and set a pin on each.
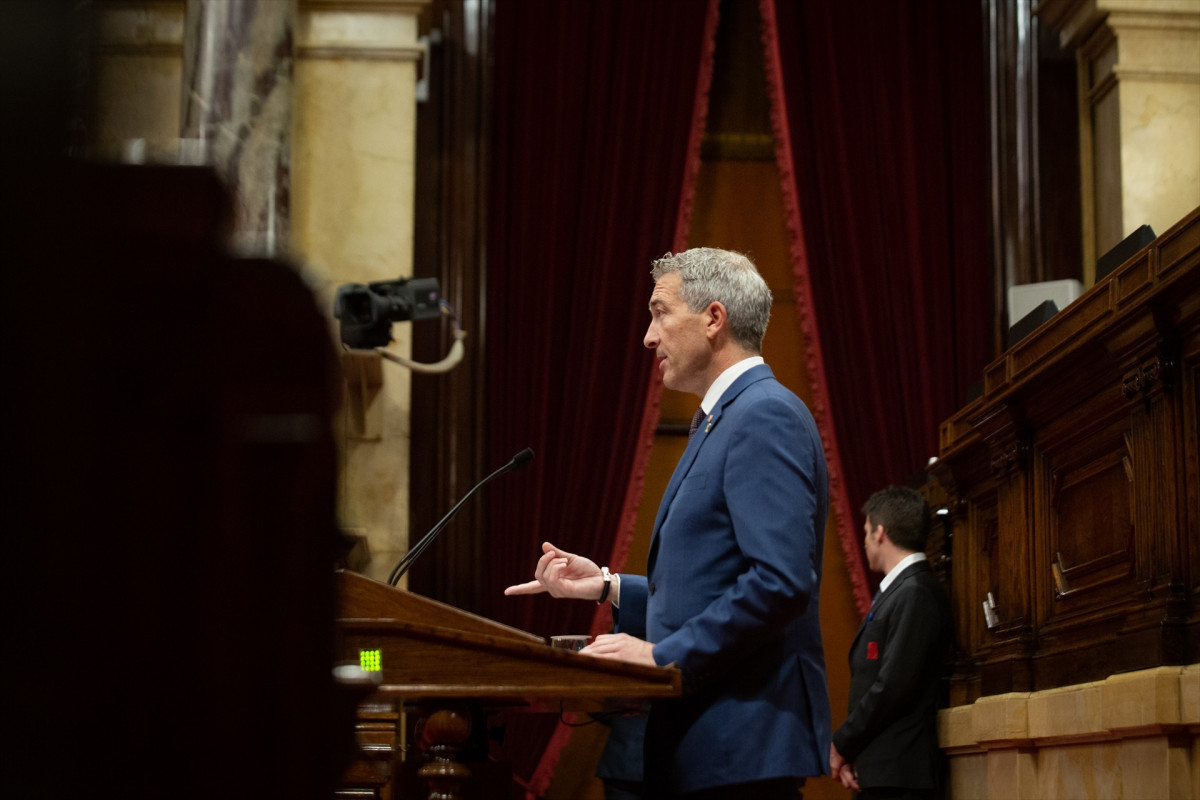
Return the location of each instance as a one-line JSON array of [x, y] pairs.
[[887, 748], [734, 569]]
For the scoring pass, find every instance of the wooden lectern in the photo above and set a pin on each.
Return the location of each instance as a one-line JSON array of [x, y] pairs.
[[436, 661]]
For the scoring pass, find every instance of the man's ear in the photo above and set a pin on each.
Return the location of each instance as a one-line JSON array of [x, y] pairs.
[[716, 319]]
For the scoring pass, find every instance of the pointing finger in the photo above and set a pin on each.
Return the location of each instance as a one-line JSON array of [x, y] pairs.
[[533, 587]]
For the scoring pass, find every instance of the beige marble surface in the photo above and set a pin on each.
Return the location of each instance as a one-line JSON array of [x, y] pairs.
[[1133, 735], [1139, 67], [353, 184], [138, 68], [353, 139]]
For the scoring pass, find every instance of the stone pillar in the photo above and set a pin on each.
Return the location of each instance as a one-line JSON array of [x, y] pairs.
[[137, 74], [237, 109], [1139, 87], [345, 130], [354, 142]]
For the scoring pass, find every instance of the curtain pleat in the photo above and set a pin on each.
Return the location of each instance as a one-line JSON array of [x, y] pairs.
[[879, 108], [802, 289], [594, 135]]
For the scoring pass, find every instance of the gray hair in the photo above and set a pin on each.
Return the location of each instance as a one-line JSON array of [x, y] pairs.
[[730, 279]]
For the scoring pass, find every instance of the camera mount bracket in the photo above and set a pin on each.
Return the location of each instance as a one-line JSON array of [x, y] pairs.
[[445, 365]]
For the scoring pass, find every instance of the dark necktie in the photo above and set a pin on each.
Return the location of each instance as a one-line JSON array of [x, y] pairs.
[[697, 418]]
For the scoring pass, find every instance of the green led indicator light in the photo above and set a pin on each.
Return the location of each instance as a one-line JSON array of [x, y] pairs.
[[370, 660]]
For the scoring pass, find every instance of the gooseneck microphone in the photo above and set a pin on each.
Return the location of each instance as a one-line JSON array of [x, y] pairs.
[[519, 460]]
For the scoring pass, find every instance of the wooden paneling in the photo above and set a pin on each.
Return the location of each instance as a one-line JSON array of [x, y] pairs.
[[1035, 164], [436, 662], [447, 451], [1072, 487]]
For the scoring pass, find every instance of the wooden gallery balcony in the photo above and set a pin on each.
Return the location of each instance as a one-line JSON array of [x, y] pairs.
[[1072, 487]]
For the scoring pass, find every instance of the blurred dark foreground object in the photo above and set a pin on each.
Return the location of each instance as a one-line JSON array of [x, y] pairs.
[[170, 499]]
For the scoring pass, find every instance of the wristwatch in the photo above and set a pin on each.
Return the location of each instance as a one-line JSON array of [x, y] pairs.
[[607, 584]]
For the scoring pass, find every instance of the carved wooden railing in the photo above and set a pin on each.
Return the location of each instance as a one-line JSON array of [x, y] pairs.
[[1072, 487]]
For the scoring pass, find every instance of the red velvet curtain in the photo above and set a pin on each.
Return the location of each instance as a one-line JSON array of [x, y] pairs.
[[598, 111], [880, 109]]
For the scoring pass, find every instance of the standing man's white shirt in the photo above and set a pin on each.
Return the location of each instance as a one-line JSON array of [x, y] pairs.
[[726, 379], [723, 382], [904, 564]]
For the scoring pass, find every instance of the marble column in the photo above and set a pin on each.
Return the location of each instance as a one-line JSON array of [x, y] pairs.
[[1139, 88], [137, 74], [321, 154], [237, 110], [354, 147]]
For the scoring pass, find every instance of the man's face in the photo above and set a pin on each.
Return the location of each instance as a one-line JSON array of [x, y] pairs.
[[677, 337]]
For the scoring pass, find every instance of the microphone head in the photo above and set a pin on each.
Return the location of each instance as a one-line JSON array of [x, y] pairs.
[[522, 458]]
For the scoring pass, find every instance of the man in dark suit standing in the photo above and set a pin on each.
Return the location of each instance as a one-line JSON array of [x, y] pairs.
[[734, 569], [887, 748]]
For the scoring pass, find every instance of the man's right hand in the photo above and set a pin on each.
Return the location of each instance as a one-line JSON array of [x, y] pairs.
[[841, 769], [562, 574]]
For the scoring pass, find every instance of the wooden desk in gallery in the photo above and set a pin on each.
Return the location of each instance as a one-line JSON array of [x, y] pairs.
[[1072, 486], [444, 665]]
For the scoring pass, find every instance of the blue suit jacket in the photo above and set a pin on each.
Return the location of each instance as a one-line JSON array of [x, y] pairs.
[[730, 596]]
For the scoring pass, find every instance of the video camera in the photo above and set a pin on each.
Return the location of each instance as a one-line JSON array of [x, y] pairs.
[[366, 311]]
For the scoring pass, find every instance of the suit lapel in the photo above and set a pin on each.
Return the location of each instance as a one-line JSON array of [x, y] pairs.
[[757, 373], [681, 471], [885, 596]]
